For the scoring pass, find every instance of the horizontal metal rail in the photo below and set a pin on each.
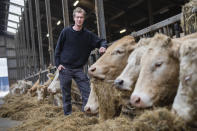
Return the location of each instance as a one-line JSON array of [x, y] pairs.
[[157, 26]]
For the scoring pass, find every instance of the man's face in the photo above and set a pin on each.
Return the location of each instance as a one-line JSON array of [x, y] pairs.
[[79, 19]]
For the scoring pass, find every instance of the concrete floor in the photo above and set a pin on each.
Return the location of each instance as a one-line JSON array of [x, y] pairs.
[[6, 123]]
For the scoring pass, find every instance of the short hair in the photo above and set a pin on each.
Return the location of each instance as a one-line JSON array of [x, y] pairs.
[[79, 10]]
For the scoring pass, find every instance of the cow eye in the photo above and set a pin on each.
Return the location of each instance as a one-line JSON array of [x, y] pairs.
[[118, 51], [158, 64]]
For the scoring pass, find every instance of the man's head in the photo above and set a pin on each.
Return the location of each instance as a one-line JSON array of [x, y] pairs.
[[79, 16]]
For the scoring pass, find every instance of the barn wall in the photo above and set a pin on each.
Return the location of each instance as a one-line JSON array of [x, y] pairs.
[[7, 50]]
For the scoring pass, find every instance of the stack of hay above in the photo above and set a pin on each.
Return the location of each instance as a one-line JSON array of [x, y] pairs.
[[189, 19]]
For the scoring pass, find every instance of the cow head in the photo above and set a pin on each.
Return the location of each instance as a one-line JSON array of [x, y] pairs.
[[114, 60], [92, 104], [185, 102], [158, 79], [127, 79]]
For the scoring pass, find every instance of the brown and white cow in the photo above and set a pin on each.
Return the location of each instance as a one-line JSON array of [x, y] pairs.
[[158, 79], [127, 79], [42, 89], [32, 90], [109, 66], [185, 102]]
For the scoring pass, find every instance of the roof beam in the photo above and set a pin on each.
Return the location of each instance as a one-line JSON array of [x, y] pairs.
[[8, 26]]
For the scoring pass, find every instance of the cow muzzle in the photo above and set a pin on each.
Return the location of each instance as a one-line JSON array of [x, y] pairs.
[[93, 72], [88, 110], [137, 101]]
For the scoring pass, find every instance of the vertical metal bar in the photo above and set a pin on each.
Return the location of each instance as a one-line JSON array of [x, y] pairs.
[[100, 18], [65, 12], [160, 30], [49, 26], [165, 31], [32, 34], [39, 34], [177, 30], [27, 41]]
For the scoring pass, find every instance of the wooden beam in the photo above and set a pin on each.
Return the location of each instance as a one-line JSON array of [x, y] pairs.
[[27, 41], [32, 33], [49, 26], [150, 13], [100, 18], [65, 12], [39, 34]]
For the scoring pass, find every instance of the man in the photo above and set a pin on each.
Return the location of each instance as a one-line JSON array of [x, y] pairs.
[[72, 51]]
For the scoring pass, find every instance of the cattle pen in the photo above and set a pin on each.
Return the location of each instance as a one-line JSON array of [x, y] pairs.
[[29, 32]]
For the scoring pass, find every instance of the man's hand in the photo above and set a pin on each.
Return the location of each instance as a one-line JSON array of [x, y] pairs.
[[60, 67], [102, 50]]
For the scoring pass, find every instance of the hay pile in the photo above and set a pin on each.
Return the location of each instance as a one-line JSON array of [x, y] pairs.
[[160, 119], [189, 18], [48, 117]]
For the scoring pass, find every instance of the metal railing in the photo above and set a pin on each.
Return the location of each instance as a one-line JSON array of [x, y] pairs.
[[170, 27]]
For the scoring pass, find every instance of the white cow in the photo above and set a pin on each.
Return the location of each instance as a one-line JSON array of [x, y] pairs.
[[127, 79], [21, 87], [185, 102]]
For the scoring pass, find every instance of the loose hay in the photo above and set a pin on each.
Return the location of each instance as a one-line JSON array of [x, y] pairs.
[[48, 117], [189, 17], [160, 119], [110, 99]]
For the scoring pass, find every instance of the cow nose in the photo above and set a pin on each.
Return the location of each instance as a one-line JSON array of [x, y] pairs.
[[118, 82], [135, 100], [92, 69], [87, 110]]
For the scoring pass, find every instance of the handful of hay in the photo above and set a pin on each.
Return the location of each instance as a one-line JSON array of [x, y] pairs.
[[110, 99], [189, 18]]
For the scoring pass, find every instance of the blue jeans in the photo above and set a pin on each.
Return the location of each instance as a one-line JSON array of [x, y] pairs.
[[66, 76]]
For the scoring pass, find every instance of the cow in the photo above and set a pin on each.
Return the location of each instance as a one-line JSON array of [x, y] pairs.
[[56, 93], [42, 89], [127, 79], [32, 90], [92, 104], [158, 78], [21, 87], [108, 67], [185, 102]]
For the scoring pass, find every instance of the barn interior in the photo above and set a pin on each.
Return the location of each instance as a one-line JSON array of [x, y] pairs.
[[120, 17], [29, 31]]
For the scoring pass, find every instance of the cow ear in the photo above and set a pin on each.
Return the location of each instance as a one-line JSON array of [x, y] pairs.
[[131, 48], [175, 49]]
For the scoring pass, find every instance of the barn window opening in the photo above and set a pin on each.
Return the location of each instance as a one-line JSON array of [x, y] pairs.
[[13, 16]]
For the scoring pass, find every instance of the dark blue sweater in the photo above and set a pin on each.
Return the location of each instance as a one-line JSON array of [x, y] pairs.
[[73, 47]]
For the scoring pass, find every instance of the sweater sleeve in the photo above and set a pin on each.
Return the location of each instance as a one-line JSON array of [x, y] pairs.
[[98, 42], [59, 47]]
